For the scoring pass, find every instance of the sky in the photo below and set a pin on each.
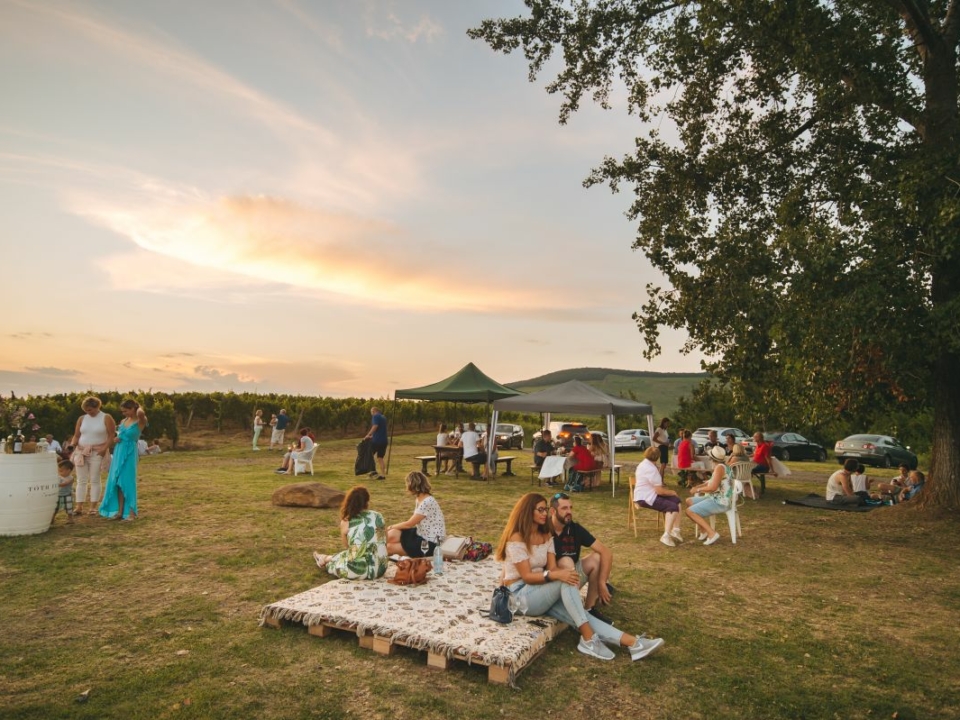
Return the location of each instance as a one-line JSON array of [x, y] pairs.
[[319, 198]]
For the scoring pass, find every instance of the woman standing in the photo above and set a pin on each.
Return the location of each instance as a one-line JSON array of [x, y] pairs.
[[425, 525], [661, 440], [92, 439], [650, 493], [530, 572], [257, 427], [361, 531], [120, 495]]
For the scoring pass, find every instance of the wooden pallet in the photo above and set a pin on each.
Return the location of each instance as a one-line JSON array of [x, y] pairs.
[[500, 675]]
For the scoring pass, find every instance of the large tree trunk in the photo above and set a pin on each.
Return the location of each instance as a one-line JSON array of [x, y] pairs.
[[943, 484]]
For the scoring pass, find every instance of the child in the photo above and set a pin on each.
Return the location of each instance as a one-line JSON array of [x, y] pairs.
[[65, 497], [860, 482]]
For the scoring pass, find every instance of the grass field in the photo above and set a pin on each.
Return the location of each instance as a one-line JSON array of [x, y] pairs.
[[811, 615]]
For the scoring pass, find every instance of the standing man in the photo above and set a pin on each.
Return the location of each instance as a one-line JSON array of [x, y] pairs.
[[276, 436], [52, 445], [594, 569], [377, 435]]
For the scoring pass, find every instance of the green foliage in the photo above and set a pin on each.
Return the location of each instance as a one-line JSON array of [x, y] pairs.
[[806, 210]]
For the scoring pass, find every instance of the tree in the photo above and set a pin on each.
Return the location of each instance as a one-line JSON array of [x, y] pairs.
[[796, 182]]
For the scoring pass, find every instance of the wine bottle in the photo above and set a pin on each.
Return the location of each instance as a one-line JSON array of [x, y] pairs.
[[18, 443]]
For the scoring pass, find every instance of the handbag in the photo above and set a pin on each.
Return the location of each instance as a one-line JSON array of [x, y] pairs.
[[500, 606], [411, 571], [453, 547]]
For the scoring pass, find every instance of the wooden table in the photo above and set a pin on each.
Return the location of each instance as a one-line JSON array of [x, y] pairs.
[[450, 452]]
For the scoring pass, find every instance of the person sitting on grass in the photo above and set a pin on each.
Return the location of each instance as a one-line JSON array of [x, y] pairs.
[[896, 484], [914, 485], [839, 489], [363, 537], [650, 493], [712, 497], [302, 451], [861, 483], [530, 572]]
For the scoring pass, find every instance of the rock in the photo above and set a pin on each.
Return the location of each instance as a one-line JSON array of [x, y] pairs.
[[307, 494]]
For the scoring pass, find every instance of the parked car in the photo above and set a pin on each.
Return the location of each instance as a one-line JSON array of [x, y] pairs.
[[700, 436], [790, 446], [563, 432], [509, 436], [878, 450], [634, 439]]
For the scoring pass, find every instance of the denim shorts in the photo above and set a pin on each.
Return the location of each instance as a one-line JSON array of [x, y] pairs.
[[707, 506]]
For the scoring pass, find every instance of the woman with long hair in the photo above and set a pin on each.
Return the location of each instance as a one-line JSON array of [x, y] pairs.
[[362, 532], [120, 495], [661, 440], [531, 573]]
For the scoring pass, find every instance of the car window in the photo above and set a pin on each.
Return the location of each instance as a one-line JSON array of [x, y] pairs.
[[800, 439]]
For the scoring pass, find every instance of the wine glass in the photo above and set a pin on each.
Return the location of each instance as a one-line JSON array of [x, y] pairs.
[[424, 548]]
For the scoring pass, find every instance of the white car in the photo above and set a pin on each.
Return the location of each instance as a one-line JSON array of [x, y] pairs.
[[635, 439]]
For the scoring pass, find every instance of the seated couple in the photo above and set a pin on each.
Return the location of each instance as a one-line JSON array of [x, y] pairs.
[[544, 585], [903, 487], [367, 542]]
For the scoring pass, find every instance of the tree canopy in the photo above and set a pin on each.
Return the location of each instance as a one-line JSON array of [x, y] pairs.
[[796, 181]]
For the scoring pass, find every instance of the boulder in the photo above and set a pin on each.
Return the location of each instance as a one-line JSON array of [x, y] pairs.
[[307, 494]]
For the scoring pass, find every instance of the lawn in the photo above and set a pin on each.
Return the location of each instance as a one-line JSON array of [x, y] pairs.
[[811, 614]]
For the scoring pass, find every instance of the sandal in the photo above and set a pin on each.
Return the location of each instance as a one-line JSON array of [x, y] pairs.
[[321, 560]]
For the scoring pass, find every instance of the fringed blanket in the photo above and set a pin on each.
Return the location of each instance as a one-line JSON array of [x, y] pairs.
[[447, 615]]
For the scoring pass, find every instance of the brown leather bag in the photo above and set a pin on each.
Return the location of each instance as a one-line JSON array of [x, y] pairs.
[[412, 571]]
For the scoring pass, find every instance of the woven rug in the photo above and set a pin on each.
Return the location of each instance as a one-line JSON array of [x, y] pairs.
[[446, 615]]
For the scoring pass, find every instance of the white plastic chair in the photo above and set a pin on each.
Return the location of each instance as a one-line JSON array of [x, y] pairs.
[[741, 471], [303, 461]]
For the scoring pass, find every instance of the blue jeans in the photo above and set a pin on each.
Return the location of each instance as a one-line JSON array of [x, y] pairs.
[[563, 602]]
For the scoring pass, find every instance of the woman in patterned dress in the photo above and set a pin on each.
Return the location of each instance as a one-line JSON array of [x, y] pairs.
[[362, 532]]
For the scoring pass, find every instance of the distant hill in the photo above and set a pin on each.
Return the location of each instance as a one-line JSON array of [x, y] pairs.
[[661, 390]]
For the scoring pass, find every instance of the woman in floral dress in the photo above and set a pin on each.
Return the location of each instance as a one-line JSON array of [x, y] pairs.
[[363, 533]]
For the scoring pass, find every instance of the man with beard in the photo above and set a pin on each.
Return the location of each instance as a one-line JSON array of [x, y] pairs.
[[568, 538]]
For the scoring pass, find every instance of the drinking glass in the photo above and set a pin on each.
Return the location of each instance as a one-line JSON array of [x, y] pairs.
[[424, 548]]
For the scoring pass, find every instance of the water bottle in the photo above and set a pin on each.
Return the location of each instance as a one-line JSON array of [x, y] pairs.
[[437, 560]]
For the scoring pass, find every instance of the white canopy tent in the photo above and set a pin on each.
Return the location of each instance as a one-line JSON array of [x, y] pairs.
[[581, 399]]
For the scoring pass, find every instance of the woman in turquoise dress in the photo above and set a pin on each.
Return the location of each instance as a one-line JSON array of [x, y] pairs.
[[120, 496], [364, 536]]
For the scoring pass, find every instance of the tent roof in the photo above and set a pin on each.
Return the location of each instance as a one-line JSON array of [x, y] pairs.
[[573, 397], [467, 385]]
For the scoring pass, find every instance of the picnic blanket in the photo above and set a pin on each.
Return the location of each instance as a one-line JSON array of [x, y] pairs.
[[815, 501], [447, 615]]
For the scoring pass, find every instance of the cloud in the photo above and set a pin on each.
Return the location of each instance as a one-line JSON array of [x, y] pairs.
[[272, 240], [53, 371], [389, 26], [30, 336], [231, 378]]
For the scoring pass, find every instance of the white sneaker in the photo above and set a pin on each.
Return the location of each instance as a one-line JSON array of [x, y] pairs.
[[712, 540], [667, 540], [675, 534], [594, 647], [644, 646]]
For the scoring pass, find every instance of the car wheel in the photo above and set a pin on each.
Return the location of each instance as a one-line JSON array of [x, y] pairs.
[[822, 456], [784, 455], [887, 462]]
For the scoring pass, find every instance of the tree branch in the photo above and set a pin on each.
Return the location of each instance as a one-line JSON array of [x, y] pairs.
[[951, 24], [917, 21]]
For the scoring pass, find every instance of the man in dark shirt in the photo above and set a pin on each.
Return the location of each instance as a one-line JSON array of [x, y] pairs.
[[568, 538], [276, 435], [377, 435], [543, 448]]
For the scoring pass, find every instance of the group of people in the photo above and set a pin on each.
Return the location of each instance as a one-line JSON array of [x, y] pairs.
[[540, 552], [278, 428], [99, 442], [850, 485], [475, 446], [712, 496], [584, 455], [368, 541]]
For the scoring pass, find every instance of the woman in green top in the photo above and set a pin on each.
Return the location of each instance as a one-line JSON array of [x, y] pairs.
[[364, 537]]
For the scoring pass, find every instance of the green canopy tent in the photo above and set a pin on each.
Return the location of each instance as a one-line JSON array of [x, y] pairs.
[[468, 385]]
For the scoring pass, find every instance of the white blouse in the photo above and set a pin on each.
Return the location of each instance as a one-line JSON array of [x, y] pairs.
[[517, 552], [432, 527]]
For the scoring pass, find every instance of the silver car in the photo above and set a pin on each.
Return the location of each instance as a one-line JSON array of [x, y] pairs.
[[634, 439]]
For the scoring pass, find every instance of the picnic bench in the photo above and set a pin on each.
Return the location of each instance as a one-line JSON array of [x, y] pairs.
[[505, 460]]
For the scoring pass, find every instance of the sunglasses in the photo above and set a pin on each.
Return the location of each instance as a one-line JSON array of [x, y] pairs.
[[561, 496]]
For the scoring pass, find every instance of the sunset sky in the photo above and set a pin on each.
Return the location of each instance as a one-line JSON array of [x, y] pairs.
[[326, 198]]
